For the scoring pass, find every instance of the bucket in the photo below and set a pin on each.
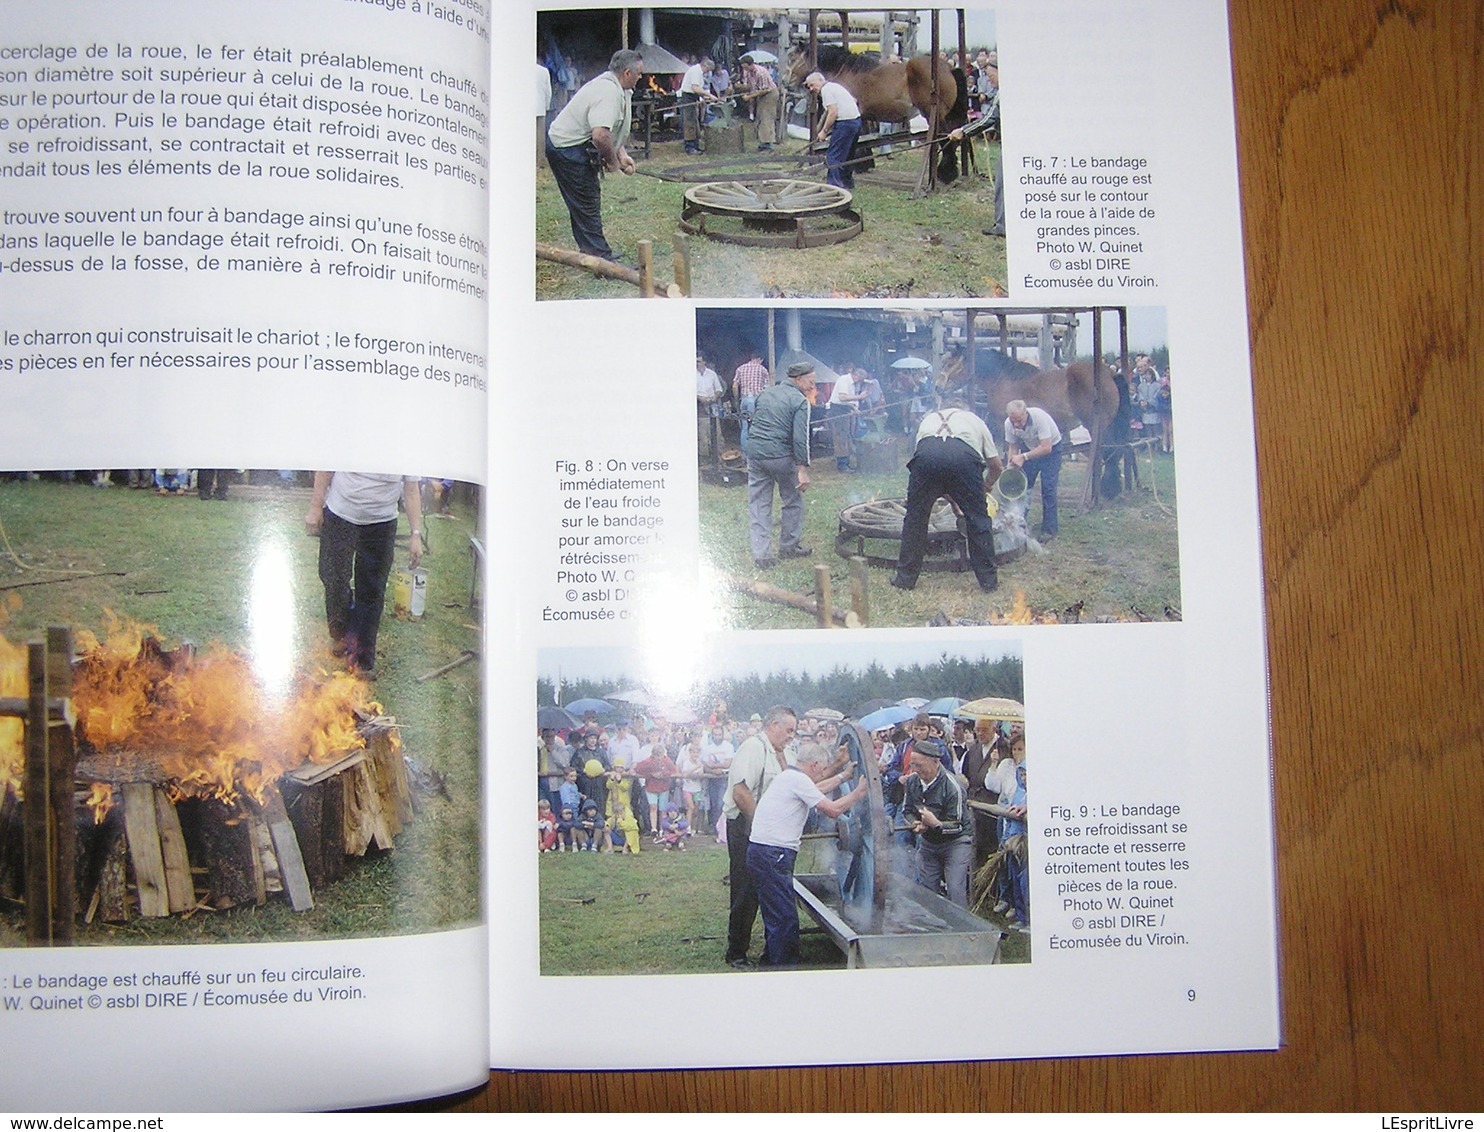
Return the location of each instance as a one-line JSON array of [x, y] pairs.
[[1011, 484], [410, 594]]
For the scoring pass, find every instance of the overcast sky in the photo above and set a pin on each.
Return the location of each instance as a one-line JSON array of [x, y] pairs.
[[729, 656]]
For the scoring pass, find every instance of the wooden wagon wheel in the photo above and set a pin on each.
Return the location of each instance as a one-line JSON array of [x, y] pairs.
[[864, 868], [774, 213]]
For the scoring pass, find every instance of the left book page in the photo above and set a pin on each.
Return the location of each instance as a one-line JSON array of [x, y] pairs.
[[240, 703]]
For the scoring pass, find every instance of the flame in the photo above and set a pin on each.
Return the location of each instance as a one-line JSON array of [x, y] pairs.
[[100, 801], [202, 721]]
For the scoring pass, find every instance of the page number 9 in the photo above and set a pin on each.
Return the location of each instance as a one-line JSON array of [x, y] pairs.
[[1190, 995]]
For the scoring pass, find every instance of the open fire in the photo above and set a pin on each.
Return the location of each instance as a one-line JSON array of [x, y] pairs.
[[198, 722], [169, 781]]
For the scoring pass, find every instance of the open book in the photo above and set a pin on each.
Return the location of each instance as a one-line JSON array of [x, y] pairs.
[[267, 714]]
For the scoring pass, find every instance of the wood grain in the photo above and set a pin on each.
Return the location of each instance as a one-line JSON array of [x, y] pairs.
[[1360, 133]]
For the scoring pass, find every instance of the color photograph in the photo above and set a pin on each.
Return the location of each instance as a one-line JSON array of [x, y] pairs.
[[764, 809], [751, 153]]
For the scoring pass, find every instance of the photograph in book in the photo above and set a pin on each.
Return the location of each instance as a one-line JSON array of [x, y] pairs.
[[262, 706], [750, 153], [687, 827], [936, 467]]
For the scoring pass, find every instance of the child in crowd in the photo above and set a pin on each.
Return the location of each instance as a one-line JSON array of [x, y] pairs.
[[593, 829], [625, 831], [674, 829], [546, 826], [569, 795], [567, 834], [620, 791]]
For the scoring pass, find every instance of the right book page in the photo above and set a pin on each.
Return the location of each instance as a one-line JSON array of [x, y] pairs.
[[966, 484]]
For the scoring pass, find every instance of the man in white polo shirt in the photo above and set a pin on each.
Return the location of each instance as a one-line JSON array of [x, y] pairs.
[[777, 829], [840, 126], [588, 137], [1033, 444]]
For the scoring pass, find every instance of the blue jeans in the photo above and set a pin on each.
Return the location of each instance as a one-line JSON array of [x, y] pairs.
[[745, 407], [842, 140], [772, 872], [1048, 468]]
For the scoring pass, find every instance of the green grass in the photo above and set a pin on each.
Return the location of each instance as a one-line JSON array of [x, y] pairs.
[[1114, 560], [187, 569], [931, 247], [658, 913]]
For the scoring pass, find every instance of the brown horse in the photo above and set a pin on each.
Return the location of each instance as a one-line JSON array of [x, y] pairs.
[[888, 90], [1069, 395]]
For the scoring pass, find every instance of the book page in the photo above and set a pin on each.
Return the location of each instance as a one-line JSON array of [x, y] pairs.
[[241, 820], [788, 643]]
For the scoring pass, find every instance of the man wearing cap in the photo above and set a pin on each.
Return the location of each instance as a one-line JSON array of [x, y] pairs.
[[840, 126], [1033, 444], [758, 763], [778, 455], [955, 456], [588, 137], [937, 807]]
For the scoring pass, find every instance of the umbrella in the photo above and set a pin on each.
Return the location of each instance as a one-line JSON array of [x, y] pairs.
[[869, 706], [582, 707], [911, 363], [916, 703], [991, 707], [943, 705], [633, 696], [887, 717], [824, 713], [554, 717], [761, 56]]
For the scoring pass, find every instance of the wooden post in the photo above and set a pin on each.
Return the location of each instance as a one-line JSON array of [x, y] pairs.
[[61, 758], [682, 263], [932, 149], [39, 861], [966, 152], [623, 31], [844, 29], [971, 320], [822, 602], [773, 343], [1090, 492], [646, 268], [813, 102], [860, 594]]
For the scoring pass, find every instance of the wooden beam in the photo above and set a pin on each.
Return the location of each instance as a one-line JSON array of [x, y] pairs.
[[286, 849], [822, 608], [860, 589], [36, 827], [646, 269]]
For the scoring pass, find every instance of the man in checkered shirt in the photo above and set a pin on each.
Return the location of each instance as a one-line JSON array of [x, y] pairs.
[[750, 379]]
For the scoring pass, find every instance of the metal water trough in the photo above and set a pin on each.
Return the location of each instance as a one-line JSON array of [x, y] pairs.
[[932, 932]]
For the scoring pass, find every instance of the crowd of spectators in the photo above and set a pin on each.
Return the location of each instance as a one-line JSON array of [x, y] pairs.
[[954, 795]]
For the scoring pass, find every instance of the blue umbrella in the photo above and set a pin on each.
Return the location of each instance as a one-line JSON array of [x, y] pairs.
[[582, 707], [943, 705], [554, 717], [887, 717]]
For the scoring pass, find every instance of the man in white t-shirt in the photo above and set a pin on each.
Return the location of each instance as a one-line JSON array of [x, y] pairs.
[[1033, 444], [693, 92], [840, 126], [843, 403], [355, 516], [777, 828]]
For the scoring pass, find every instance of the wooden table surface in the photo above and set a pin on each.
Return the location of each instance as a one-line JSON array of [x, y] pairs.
[[1361, 138]]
